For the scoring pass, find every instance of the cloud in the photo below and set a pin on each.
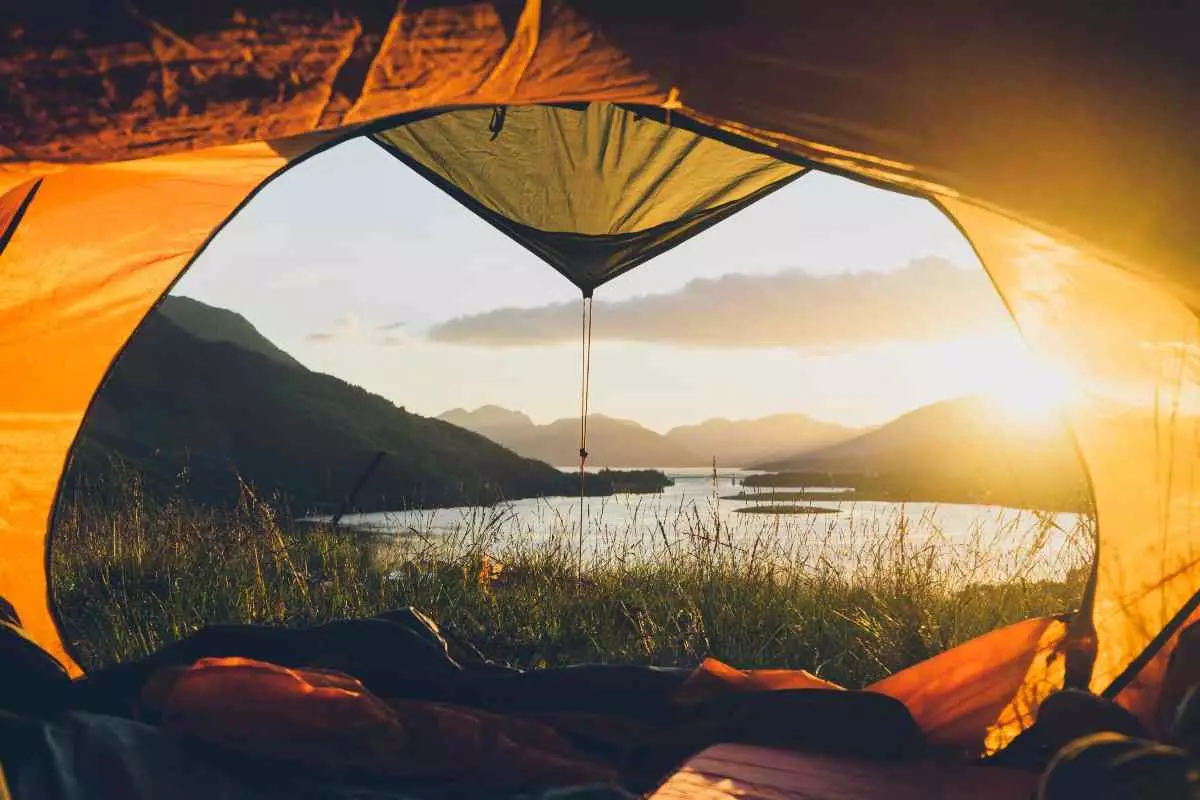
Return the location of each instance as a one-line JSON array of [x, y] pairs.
[[929, 299], [343, 328], [391, 335], [321, 337]]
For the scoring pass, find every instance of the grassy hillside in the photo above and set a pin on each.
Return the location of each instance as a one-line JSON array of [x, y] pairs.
[[186, 412], [696, 593]]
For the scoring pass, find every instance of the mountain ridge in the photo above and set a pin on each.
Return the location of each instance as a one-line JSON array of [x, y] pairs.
[[614, 441], [964, 447], [202, 406], [743, 442], [215, 324]]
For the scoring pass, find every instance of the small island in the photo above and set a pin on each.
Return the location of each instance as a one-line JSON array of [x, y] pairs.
[[975, 487], [607, 482], [821, 495]]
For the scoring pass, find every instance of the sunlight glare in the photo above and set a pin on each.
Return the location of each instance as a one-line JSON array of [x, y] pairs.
[[1026, 389]]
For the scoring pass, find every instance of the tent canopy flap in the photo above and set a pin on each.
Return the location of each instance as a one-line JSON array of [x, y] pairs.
[[592, 189]]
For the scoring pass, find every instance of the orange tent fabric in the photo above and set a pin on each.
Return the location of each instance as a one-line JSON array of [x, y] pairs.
[[967, 699], [1060, 139], [714, 677]]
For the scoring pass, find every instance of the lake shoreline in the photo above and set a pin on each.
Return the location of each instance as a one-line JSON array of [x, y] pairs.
[[784, 511]]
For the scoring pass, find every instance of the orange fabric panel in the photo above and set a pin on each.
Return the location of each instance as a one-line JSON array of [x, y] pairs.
[[474, 55], [958, 696], [1019, 107], [177, 78], [1129, 354], [1024, 114], [714, 677], [975, 697], [11, 203], [741, 772], [1179, 673], [1146, 696], [329, 721], [94, 251]]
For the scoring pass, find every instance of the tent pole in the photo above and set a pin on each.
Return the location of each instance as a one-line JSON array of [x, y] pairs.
[[1081, 630], [1152, 649]]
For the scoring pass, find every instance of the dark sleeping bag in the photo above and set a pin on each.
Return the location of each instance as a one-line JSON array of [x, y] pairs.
[[626, 718], [31, 680], [93, 757]]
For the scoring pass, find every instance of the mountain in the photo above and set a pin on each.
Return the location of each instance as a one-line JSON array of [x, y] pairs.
[[611, 442], [962, 450], [212, 324], [489, 420], [739, 443], [210, 395], [618, 442]]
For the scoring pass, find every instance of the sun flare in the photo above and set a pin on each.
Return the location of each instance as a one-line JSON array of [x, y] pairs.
[[1026, 389]]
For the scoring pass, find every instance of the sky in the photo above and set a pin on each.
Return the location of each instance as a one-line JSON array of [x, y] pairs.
[[830, 298]]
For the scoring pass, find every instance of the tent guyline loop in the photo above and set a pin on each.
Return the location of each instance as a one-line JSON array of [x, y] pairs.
[[585, 381], [497, 122]]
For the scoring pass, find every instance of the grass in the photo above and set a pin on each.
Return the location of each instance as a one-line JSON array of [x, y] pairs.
[[851, 604], [785, 510]]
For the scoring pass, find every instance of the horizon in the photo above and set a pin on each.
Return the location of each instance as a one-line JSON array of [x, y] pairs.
[[842, 302], [734, 420], [592, 412]]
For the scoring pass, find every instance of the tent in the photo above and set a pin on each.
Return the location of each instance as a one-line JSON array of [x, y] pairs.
[[1060, 138]]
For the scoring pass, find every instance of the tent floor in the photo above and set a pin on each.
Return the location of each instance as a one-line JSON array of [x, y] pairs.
[[729, 771]]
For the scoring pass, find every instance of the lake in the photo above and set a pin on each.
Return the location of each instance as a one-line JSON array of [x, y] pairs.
[[692, 515]]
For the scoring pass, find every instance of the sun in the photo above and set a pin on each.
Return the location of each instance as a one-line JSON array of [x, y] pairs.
[[1024, 389], [1027, 390], [1031, 406]]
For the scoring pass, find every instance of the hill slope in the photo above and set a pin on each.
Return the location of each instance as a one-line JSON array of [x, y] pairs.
[[181, 403], [961, 450], [611, 442], [740, 443], [212, 324]]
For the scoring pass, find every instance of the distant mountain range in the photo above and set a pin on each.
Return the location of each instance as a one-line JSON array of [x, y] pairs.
[[200, 393], [623, 443], [611, 442], [962, 450], [742, 443]]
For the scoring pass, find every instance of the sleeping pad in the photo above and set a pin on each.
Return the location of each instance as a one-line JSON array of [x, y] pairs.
[[393, 704]]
